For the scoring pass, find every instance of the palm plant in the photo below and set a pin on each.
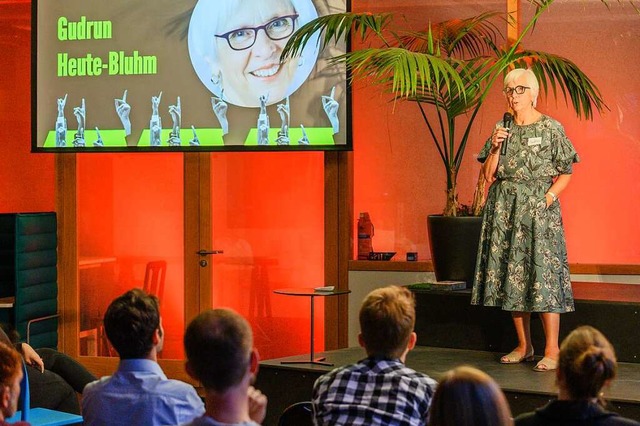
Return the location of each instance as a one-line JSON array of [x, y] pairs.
[[451, 67]]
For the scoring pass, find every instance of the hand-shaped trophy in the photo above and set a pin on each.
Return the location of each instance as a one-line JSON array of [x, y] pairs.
[[123, 109], [61, 123], [195, 141], [155, 124], [330, 106], [80, 113], [304, 140], [283, 133], [99, 141], [263, 122], [176, 116], [220, 110]]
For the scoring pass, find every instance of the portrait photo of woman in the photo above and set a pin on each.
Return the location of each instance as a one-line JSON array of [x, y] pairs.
[[235, 48]]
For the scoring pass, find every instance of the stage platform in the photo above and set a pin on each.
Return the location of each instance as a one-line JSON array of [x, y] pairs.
[[525, 389], [446, 319], [452, 332]]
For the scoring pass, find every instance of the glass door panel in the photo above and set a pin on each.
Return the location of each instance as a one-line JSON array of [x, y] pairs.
[[130, 219], [267, 218]]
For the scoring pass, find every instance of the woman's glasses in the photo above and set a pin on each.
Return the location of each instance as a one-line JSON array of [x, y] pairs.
[[276, 29], [518, 90]]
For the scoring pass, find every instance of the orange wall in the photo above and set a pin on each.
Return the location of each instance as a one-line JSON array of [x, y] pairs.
[[602, 204], [26, 180]]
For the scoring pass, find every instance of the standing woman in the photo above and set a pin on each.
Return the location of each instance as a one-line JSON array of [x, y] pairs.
[[522, 257]]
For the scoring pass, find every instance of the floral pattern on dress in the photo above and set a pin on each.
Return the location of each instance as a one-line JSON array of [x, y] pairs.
[[522, 257]]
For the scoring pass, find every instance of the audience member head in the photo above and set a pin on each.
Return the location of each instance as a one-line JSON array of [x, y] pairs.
[[466, 396], [133, 326], [10, 377], [587, 362], [219, 348], [387, 318]]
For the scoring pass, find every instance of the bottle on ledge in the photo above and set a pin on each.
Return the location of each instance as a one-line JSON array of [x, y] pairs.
[[365, 235]]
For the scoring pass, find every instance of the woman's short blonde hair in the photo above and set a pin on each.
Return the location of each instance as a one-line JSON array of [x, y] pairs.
[[532, 81]]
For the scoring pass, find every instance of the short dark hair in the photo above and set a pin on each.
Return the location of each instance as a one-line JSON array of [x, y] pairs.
[[218, 344], [387, 319], [130, 322]]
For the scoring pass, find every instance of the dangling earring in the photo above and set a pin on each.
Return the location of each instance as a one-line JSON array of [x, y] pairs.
[[216, 79]]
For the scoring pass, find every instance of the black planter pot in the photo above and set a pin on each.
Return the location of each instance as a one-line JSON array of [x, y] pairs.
[[454, 246]]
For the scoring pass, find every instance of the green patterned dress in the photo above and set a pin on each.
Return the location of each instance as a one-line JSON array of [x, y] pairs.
[[522, 257]]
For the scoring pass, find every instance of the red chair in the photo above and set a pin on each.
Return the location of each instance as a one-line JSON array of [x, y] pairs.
[[97, 343], [154, 277]]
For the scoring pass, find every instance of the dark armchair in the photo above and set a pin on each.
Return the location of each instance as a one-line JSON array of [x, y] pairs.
[[28, 274]]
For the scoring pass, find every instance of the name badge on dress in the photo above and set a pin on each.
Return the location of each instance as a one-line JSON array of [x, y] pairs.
[[534, 141]]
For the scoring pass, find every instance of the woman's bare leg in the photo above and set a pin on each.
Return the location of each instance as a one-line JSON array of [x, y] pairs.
[[522, 322], [551, 326]]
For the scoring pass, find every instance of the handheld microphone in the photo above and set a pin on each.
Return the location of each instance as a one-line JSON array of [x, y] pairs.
[[507, 119]]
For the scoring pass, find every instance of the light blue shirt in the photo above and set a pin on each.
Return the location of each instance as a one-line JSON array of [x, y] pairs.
[[139, 394]]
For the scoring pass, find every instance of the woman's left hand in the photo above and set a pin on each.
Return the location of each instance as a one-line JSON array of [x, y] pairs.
[[549, 199]]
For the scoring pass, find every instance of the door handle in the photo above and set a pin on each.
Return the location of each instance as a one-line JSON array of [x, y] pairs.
[[208, 252]]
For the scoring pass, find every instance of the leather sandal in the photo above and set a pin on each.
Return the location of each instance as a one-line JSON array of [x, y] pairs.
[[546, 364], [514, 357]]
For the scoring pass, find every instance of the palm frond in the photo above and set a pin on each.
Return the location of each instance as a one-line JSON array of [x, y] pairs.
[[455, 101], [456, 37], [335, 28], [473, 36], [407, 73], [557, 72]]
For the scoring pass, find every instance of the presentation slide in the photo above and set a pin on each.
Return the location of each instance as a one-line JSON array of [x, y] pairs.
[[184, 75]]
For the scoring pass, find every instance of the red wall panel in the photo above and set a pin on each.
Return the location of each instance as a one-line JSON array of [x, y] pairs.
[[27, 181]]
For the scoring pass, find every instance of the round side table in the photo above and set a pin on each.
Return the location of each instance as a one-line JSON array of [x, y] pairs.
[[312, 294]]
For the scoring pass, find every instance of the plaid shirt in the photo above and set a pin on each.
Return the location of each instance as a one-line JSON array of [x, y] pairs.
[[374, 391]]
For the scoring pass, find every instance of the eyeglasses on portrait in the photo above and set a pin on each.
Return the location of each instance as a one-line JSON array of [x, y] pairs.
[[277, 29]]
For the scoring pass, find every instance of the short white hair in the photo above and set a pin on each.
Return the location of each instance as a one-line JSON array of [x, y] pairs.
[[532, 81]]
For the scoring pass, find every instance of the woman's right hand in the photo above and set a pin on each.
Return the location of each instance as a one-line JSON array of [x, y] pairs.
[[499, 135], [491, 164]]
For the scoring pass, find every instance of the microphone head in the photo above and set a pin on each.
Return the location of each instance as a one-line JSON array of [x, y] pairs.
[[507, 119]]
